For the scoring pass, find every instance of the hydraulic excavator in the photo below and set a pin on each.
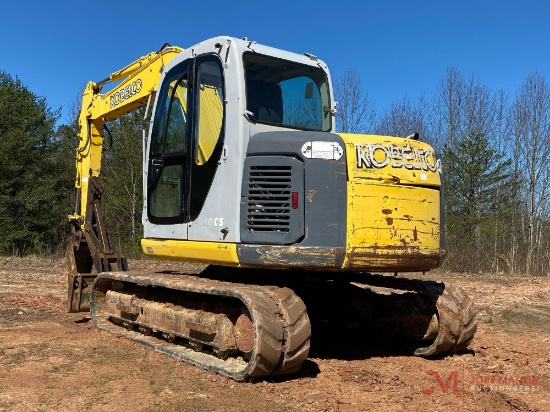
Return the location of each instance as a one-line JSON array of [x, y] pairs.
[[243, 171]]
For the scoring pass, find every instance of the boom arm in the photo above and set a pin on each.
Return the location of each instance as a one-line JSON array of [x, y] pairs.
[[89, 246], [139, 84]]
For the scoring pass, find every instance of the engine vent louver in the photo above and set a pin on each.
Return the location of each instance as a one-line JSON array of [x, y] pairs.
[[268, 215], [269, 198]]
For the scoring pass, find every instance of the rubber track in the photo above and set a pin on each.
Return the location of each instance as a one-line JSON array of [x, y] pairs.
[[281, 326], [455, 310], [297, 330]]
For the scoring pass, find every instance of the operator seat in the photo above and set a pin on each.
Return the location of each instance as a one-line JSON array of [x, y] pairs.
[[265, 100]]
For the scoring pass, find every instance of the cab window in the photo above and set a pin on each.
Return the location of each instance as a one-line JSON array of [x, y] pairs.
[[285, 93]]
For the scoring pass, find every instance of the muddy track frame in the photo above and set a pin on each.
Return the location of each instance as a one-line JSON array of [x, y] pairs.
[[279, 318]]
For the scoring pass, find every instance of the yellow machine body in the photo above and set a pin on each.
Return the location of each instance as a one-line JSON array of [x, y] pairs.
[[393, 199]]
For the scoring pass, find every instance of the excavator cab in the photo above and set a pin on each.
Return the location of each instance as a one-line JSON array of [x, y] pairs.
[[226, 94]]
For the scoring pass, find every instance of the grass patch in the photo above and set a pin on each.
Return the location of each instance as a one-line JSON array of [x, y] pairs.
[[104, 379], [62, 370], [535, 318]]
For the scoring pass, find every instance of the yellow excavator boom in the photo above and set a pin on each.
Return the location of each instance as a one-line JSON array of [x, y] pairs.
[[89, 246], [138, 84]]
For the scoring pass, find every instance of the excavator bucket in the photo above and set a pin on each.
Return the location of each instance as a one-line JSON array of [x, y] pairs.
[[89, 252], [79, 266]]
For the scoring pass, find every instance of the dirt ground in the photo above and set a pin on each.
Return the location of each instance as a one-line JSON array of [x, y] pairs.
[[54, 361]]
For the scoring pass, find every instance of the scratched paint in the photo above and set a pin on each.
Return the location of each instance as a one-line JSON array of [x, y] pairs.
[[402, 236], [393, 204]]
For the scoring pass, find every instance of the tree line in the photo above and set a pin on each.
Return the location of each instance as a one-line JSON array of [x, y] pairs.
[[494, 146]]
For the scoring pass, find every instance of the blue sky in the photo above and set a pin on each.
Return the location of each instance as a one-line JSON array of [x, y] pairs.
[[398, 47]]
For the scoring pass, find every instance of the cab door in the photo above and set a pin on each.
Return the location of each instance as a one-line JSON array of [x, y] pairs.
[[167, 176], [186, 144], [207, 135]]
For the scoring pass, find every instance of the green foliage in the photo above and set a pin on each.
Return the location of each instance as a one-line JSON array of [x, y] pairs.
[[31, 191], [479, 194], [474, 173], [123, 176]]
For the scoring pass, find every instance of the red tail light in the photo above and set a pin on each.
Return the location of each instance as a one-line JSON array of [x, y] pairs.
[[295, 200]]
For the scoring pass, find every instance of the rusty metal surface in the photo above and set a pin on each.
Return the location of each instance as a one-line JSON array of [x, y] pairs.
[[393, 227], [78, 284], [285, 256], [105, 257], [394, 258], [200, 327], [244, 334], [280, 326], [87, 249]]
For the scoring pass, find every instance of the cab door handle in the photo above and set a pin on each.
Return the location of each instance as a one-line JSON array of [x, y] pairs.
[[156, 167]]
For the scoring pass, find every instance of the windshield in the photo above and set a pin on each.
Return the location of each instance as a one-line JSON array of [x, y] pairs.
[[286, 93]]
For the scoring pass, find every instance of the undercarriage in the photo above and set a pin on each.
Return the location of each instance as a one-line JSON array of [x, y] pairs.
[[244, 330], [236, 330]]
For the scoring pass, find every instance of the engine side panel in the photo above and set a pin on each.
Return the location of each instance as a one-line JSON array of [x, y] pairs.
[[322, 199]]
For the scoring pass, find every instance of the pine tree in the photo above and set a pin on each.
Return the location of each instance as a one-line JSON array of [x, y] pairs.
[[29, 170], [475, 178], [471, 174]]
